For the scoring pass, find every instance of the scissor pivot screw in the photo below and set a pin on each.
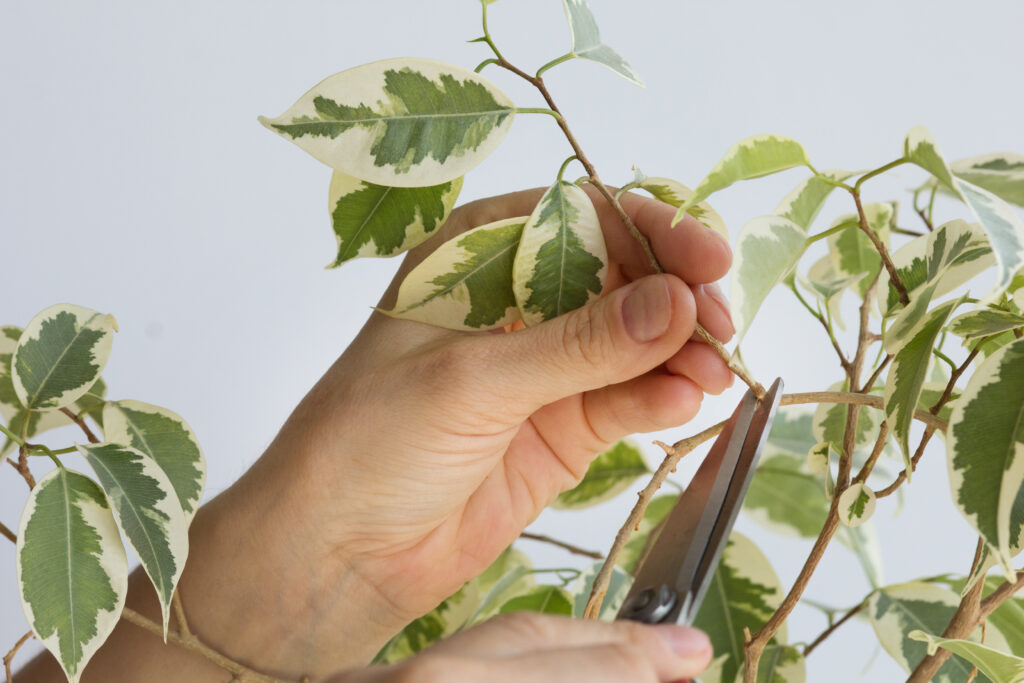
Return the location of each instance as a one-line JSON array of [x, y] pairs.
[[651, 606]]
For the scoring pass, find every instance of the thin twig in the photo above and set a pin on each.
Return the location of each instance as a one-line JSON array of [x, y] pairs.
[[894, 276], [641, 239], [827, 632], [562, 544], [81, 423], [9, 657], [878, 371], [860, 399], [7, 533], [179, 615], [22, 466], [865, 471], [193, 644], [673, 454]]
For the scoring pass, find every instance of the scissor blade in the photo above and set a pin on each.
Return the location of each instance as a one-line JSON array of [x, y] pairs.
[[732, 501], [675, 555]]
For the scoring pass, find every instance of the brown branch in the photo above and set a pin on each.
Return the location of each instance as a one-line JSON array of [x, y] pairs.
[[865, 471], [641, 239], [562, 544], [9, 657], [877, 402], [878, 371], [179, 615], [1000, 595], [827, 632], [23, 469], [673, 454], [81, 423], [7, 533], [193, 644], [894, 276], [961, 625]]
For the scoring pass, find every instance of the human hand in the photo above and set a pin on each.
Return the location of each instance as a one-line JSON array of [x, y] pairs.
[[423, 452], [532, 648]]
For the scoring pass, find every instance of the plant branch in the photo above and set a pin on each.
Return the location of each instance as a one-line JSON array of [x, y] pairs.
[[9, 657], [562, 544], [876, 402], [878, 171], [894, 276], [847, 367], [7, 533], [81, 423], [878, 371], [673, 454], [827, 632], [865, 471], [193, 644]]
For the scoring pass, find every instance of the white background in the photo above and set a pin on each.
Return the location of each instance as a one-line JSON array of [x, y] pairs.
[[134, 179]]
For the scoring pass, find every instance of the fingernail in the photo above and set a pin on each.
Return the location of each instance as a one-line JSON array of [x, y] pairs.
[[683, 641], [647, 309]]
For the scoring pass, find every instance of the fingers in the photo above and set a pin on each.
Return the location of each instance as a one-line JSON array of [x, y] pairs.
[[616, 338], [702, 365], [649, 403], [713, 311], [539, 648]]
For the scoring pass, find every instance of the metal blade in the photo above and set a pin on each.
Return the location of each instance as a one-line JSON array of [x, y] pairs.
[[675, 556]]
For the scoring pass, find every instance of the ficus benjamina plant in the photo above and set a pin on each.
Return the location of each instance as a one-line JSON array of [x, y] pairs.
[[400, 134]]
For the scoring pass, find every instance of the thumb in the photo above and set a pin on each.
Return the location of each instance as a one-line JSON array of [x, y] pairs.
[[618, 337]]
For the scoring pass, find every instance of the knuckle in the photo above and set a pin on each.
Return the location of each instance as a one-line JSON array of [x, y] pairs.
[[585, 336]]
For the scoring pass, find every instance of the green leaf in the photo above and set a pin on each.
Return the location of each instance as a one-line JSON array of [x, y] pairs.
[[656, 511], [744, 593], [399, 122], [1001, 174], [586, 41], [856, 505], [543, 599], [984, 322], [753, 157], [908, 374], [609, 474], [827, 285], [998, 666], [618, 588], [803, 204], [508, 576], [676, 194], [785, 498], [819, 459], [60, 355], [897, 610], [781, 664], [985, 449], [1003, 226], [164, 436], [767, 249], [375, 220], [562, 261], [72, 570], [440, 622], [466, 283], [147, 511], [830, 423], [791, 432]]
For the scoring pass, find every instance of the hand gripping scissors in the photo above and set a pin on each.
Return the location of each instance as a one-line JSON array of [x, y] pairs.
[[680, 563]]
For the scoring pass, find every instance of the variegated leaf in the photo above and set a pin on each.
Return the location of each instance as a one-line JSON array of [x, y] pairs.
[[985, 448], [165, 437], [1001, 174], [819, 458], [828, 285], [856, 505], [781, 664], [897, 610], [744, 593], [791, 432], [984, 322], [1000, 667], [466, 283], [852, 251], [908, 374], [399, 122], [586, 41], [147, 511], [72, 569], [562, 260], [1004, 227], [656, 511], [830, 423], [376, 220], [954, 253], [618, 587], [676, 194], [608, 475], [543, 599], [441, 622], [753, 157], [60, 355], [767, 249], [511, 574], [805, 201]]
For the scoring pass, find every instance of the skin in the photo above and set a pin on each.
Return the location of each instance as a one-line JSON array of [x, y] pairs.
[[298, 568]]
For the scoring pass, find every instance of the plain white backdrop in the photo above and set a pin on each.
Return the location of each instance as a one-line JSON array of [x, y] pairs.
[[135, 179]]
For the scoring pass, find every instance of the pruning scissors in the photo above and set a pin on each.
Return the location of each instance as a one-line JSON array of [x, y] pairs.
[[677, 569]]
